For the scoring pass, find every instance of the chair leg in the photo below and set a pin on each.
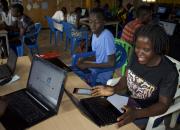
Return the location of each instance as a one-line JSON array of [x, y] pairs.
[[55, 37], [66, 44], [61, 36], [174, 119], [20, 51], [50, 37], [73, 42], [86, 42]]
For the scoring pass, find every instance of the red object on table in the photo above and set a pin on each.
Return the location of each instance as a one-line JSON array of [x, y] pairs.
[[49, 55]]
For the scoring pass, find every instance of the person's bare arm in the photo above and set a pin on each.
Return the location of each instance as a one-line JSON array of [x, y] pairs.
[[156, 109], [110, 90], [87, 60], [90, 64], [22, 32]]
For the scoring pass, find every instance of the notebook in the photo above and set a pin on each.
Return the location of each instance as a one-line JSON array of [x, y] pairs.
[[39, 100], [7, 70], [97, 109]]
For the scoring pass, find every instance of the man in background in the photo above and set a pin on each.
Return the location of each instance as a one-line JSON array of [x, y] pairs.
[[143, 16]]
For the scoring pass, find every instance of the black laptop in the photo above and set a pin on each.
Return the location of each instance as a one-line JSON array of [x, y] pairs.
[[97, 109], [39, 100], [60, 64], [7, 70]]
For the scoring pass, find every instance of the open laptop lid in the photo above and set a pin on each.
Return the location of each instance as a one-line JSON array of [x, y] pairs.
[[83, 110], [11, 62], [46, 83], [169, 27]]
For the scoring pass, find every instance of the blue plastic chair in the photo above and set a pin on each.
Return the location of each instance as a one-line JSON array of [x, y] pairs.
[[76, 40], [34, 45], [18, 48], [53, 30], [121, 57], [67, 30], [71, 38]]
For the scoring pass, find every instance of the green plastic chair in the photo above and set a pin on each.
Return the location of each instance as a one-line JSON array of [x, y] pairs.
[[128, 47]]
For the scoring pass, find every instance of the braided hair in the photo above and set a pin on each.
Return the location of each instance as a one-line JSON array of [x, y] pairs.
[[157, 35]]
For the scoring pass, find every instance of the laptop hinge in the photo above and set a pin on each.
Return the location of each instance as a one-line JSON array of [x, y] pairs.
[[37, 100]]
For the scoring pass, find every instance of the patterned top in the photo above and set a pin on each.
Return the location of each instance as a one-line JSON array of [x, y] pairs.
[[147, 83], [129, 29]]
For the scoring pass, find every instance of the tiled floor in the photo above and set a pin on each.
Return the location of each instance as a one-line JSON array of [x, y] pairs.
[[45, 46]]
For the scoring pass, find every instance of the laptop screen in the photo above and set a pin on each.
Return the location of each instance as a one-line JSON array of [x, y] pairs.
[[12, 59], [161, 10], [178, 13], [168, 26], [46, 80]]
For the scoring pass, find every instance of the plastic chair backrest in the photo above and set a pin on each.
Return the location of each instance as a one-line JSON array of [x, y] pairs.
[[37, 28], [174, 108], [121, 56], [177, 65], [128, 49], [50, 23], [67, 28]]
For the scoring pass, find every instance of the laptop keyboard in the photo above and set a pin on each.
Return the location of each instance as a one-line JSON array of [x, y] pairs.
[[101, 109], [4, 72], [21, 104]]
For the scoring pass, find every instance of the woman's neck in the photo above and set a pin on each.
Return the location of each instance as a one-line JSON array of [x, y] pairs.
[[98, 34], [154, 61]]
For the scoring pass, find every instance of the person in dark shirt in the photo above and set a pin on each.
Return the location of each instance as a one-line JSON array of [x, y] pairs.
[[25, 24], [151, 78]]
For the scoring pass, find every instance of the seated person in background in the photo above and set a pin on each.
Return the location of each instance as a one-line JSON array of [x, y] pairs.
[[102, 44], [7, 20], [143, 16], [60, 15], [8, 23], [74, 17], [151, 78], [25, 25], [130, 14], [97, 4], [107, 11]]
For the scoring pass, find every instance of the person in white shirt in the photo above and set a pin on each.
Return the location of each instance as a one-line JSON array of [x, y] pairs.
[[5, 15], [60, 15]]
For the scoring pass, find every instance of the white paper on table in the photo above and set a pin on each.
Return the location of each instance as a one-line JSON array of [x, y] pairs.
[[14, 78], [118, 101]]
